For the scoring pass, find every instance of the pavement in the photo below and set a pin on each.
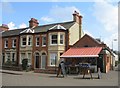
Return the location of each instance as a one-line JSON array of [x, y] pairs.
[[23, 78]]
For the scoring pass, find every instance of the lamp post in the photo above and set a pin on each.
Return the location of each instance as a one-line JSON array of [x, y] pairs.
[[55, 63], [112, 43]]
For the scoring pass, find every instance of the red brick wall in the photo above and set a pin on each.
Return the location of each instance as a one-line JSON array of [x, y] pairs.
[[86, 40], [39, 48]]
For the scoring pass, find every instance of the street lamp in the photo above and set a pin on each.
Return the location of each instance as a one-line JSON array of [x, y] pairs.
[[112, 43], [55, 63]]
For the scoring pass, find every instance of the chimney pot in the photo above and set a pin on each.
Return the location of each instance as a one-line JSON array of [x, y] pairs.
[[77, 17], [33, 23], [4, 27]]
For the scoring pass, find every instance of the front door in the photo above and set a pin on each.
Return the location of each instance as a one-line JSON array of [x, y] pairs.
[[37, 60]]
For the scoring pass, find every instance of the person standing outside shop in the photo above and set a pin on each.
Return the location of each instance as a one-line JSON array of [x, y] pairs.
[[61, 68]]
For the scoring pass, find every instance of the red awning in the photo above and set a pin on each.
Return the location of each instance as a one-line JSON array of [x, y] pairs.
[[82, 52]]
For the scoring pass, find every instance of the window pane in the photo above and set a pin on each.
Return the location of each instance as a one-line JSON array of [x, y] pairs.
[[54, 39], [53, 56], [22, 56], [37, 41], [43, 40], [61, 39], [29, 57], [54, 36], [13, 57], [6, 43], [23, 41], [8, 56], [14, 43], [29, 41]]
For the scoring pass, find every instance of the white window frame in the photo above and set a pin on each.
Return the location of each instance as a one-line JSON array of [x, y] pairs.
[[62, 39], [55, 57], [29, 59], [43, 36], [29, 37], [51, 39], [21, 57], [22, 41], [14, 56], [6, 43], [8, 56], [14, 43], [37, 40]]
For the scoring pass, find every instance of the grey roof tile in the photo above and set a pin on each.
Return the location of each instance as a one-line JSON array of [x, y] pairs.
[[42, 28]]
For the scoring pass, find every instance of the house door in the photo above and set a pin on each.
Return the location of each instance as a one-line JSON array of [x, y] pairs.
[[37, 60], [43, 61]]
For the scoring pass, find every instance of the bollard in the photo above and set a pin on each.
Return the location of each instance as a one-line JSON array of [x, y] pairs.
[[99, 74]]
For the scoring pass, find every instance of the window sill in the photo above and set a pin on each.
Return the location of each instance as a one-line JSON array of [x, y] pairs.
[[23, 46], [52, 65], [5, 47], [43, 45], [57, 44]]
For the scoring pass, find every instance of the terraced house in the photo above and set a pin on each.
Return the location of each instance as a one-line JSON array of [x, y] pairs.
[[42, 45]]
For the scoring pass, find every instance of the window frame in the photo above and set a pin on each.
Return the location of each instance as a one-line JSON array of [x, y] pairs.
[[29, 59], [37, 40], [29, 42], [14, 41], [6, 42], [24, 41], [8, 56], [55, 58], [21, 56], [54, 39], [44, 41], [13, 58], [62, 39]]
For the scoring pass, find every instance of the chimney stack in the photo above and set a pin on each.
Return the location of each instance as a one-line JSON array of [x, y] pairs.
[[33, 23], [4, 27], [77, 17]]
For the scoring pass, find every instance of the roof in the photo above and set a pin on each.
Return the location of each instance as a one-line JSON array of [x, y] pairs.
[[45, 28], [12, 32], [41, 28], [82, 52], [57, 27]]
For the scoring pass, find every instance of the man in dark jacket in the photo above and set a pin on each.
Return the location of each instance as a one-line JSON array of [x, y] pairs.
[[61, 69]]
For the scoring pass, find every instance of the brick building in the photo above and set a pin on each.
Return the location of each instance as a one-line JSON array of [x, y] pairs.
[[42, 45]]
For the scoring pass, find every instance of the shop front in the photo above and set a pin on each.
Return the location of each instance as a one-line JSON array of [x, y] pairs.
[[74, 57]]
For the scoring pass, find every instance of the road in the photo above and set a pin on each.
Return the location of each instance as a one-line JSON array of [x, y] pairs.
[[41, 79]]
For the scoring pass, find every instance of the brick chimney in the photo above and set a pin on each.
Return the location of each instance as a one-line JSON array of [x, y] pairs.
[[77, 17], [33, 23], [4, 27]]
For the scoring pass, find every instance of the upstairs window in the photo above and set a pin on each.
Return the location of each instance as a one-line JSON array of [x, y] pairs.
[[43, 40], [61, 39], [23, 41], [14, 43], [54, 39], [6, 44], [37, 41], [29, 41]]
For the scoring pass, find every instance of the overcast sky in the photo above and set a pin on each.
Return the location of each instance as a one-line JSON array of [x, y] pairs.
[[100, 19]]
